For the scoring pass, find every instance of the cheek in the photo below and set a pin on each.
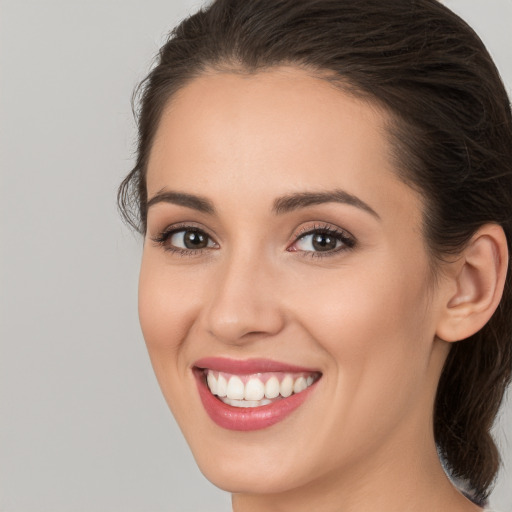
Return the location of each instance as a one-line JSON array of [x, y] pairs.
[[375, 328], [374, 323], [364, 306], [168, 304]]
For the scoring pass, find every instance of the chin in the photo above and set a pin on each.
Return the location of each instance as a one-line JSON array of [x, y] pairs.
[[245, 476]]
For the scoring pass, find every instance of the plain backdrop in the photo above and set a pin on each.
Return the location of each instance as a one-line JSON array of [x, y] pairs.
[[83, 426]]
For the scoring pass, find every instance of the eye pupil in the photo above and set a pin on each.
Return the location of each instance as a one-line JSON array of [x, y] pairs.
[[323, 242], [195, 240]]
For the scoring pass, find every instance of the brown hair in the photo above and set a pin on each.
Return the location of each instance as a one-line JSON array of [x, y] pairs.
[[451, 135]]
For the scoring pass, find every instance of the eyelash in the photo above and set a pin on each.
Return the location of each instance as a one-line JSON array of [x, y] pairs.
[[162, 239], [347, 240]]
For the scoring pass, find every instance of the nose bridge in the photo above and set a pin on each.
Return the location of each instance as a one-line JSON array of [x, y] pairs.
[[244, 298]]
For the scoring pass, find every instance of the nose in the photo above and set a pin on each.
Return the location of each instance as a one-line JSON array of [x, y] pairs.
[[244, 302]]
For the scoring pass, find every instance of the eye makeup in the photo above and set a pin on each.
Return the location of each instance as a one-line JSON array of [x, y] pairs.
[[318, 240], [321, 240], [184, 240]]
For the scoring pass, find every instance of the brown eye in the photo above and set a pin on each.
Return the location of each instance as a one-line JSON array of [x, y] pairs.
[[195, 240], [323, 242], [190, 239], [319, 241]]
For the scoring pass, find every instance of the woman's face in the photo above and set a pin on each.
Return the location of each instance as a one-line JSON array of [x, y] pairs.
[[283, 255]]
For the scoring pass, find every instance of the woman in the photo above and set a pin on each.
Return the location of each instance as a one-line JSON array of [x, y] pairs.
[[325, 188]]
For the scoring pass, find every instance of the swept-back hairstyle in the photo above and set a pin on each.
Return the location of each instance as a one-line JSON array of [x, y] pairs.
[[450, 135]]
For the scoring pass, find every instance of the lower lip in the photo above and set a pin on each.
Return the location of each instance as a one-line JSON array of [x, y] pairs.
[[248, 418]]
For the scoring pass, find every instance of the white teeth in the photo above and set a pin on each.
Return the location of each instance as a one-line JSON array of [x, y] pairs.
[[222, 386], [212, 383], [235, 389], [272, 388], [246, 403], [254, 390], [286, 388], [299, 385]]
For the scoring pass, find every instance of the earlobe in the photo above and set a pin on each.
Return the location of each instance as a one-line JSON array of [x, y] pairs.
[[478, 279]]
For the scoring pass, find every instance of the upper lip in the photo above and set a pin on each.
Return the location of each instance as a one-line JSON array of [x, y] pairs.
[[248, 366]]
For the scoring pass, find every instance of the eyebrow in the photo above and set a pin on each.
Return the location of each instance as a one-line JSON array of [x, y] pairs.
[[295, 201], [188, 200], [281, 205]]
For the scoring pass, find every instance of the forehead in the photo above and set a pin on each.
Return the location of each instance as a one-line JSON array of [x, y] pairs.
[[271, 133]]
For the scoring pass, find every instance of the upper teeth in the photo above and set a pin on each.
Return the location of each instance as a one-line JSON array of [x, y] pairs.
[[256, 387]]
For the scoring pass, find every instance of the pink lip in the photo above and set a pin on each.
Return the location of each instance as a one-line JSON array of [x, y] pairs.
[[247, 418], [248, 366]]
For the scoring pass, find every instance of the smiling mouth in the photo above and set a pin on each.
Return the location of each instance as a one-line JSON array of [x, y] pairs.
[[258, 389], [251, 394]]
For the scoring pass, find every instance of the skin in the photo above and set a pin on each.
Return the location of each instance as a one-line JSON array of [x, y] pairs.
[[365, 316]]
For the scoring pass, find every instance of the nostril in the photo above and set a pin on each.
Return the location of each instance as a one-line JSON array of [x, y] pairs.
[[244, 325]]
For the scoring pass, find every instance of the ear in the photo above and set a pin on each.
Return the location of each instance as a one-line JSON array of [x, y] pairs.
[[475, 284]]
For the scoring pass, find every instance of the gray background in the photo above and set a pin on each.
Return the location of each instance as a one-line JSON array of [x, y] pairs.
[[83, 426]]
